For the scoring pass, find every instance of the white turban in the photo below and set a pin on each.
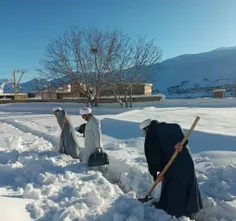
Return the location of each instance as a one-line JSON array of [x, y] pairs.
[[145, 123], [56, 109], [85, 110]]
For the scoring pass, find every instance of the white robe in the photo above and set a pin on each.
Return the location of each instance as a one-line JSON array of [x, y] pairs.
[[92, 138]]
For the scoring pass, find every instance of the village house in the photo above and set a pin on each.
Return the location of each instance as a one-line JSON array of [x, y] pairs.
[[74, 91], [219, 93], [138, 89]]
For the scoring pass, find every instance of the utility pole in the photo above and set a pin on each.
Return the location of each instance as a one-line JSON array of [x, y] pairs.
[[224, 79], [16, 83], [94, 50]]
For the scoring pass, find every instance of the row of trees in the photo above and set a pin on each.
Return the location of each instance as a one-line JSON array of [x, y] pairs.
[[100, 59]]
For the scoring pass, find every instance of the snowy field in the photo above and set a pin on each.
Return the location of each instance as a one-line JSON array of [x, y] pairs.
[[37, 183]]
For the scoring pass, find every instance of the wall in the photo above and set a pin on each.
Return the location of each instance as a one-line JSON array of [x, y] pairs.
[[47, 95], [141, 89], [218, 94]]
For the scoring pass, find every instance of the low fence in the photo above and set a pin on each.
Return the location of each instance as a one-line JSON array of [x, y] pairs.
[[83, 100]]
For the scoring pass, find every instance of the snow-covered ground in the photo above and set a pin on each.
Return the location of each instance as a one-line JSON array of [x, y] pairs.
[[40, 184]]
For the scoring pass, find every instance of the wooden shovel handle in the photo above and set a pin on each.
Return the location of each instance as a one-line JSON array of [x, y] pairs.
[[162, 173]]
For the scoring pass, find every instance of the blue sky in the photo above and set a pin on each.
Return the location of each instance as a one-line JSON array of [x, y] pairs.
[[179, 26]]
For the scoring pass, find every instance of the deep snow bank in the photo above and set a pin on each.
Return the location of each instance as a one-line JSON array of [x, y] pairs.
[[62, 188], [128, 168]]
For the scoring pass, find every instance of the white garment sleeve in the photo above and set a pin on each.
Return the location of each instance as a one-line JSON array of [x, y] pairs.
[[97, 133]]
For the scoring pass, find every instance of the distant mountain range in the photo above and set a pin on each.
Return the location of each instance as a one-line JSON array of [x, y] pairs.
[[185, 75], [29, 86], [196, 72]]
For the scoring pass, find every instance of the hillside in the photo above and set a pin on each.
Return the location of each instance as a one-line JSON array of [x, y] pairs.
[[6, 84], [29, 86], [202, 70]]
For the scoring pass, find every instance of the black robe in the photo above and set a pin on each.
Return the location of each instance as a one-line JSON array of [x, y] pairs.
[[180, 195]]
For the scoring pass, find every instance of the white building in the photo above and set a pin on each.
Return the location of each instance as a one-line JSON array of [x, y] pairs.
[[64, 89], [1, 90]]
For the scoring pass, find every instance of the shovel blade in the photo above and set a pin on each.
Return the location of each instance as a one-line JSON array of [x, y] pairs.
[[145, 199]]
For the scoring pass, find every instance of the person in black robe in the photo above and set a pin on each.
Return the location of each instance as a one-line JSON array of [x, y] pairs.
[[180, 195]]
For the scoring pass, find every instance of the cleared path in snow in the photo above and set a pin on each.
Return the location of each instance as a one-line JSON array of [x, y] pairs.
[[13, 207], [61, 188], [127, 175], [131, 175]]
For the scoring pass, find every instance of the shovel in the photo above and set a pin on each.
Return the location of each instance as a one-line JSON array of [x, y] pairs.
[[162, 173]]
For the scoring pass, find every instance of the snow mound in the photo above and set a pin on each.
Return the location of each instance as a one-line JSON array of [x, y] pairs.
[[220, 183], [215, 210], [62, 188], [31, 193]]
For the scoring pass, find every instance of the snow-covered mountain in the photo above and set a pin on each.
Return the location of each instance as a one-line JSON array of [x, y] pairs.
[[8, 85], [194, 71]]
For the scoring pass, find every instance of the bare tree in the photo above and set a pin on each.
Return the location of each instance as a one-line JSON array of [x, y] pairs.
[[106, 48], [65, 62], [94, 60], [114, 63], [144, 60], [136, 62], [82, 57]]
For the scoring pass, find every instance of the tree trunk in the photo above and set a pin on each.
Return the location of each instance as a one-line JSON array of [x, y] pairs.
[[117, 98], [96, 96], [119, 101], [89, 100], [95, 101], [131, 97], [126, 98]]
